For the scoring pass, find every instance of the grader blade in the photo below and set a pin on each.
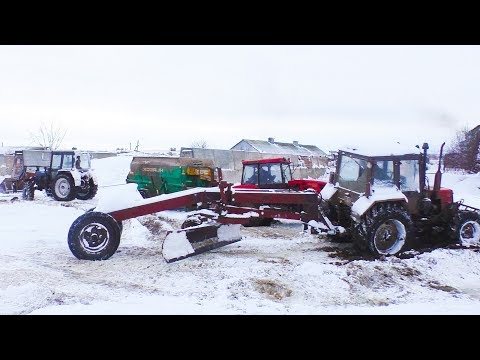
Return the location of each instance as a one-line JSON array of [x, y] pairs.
[[180, 244]]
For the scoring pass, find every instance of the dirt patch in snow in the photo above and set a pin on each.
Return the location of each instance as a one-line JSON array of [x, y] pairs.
[[175, 223], [275, 260], [436, 285], [153, 224], [272, 289], [277, 230], [13, 199], [346, 253]]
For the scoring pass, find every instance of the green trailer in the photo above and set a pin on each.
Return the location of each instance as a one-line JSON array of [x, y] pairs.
[[165, 175]]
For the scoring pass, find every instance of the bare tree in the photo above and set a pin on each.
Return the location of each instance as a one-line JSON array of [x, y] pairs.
[[199, 144], [49, 136], [463, 150]]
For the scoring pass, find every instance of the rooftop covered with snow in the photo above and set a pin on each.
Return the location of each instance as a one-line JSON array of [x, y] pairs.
[[274, 147]]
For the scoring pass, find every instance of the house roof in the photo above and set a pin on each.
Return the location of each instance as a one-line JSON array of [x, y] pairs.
[[275, 147], [470, 135], [474, 130], [5, 150]]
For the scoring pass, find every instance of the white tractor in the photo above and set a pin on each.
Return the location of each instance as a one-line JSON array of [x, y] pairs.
[[65, 175]]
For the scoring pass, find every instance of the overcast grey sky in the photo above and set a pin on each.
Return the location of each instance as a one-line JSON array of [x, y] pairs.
[[170, 96]]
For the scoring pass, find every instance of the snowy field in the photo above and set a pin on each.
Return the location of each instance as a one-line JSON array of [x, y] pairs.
[[273, 270]]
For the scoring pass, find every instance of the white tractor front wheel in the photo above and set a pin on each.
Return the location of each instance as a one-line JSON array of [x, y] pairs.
[[63, 188]]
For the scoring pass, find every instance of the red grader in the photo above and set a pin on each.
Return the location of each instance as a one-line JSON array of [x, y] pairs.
[[272, 173], [383, 203]]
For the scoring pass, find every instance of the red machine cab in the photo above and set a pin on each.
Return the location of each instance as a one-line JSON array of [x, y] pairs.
[[274, 173]]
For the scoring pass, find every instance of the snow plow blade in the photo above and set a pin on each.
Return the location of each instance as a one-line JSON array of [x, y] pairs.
[[180, 244]]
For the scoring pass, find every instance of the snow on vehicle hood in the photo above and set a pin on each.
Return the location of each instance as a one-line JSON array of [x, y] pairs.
[[378, 194], [372, 150]]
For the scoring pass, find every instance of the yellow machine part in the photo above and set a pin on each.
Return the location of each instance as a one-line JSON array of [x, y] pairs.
[[204, 173]]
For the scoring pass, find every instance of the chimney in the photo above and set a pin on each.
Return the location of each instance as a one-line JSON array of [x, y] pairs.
[[271, 140], [295, 142]]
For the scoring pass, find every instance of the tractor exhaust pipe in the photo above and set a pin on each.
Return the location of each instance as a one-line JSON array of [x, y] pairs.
[[438, 175], [424, 169]]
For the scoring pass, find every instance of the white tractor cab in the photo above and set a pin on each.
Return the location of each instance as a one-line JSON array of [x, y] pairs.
[[65, 175]]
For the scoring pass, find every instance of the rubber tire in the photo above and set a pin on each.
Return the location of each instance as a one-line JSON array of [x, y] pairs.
[[28, 190], [90, 194], [464, 217], [364, 233], [86, 220], [120, 227], [119, 223], [71, 195]]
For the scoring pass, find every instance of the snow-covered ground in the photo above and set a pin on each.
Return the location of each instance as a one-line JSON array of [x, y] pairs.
[[273, 270]]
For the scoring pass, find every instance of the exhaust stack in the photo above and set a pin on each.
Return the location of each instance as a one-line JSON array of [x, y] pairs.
[[438, 175]]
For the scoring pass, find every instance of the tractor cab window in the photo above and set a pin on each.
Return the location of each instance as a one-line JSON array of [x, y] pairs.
[[56, 161], [67, 161], [286, 172], [85, 160], [250, 174], [275, 173], [270, 174], [409, 175], [383, 174], [352, 173]]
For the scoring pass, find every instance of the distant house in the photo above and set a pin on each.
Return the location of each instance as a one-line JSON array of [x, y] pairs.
[[300, 154], [474, 135], [11, 149], [466, 154], [274, 147]]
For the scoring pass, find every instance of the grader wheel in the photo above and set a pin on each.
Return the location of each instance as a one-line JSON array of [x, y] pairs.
[[94, 236]]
